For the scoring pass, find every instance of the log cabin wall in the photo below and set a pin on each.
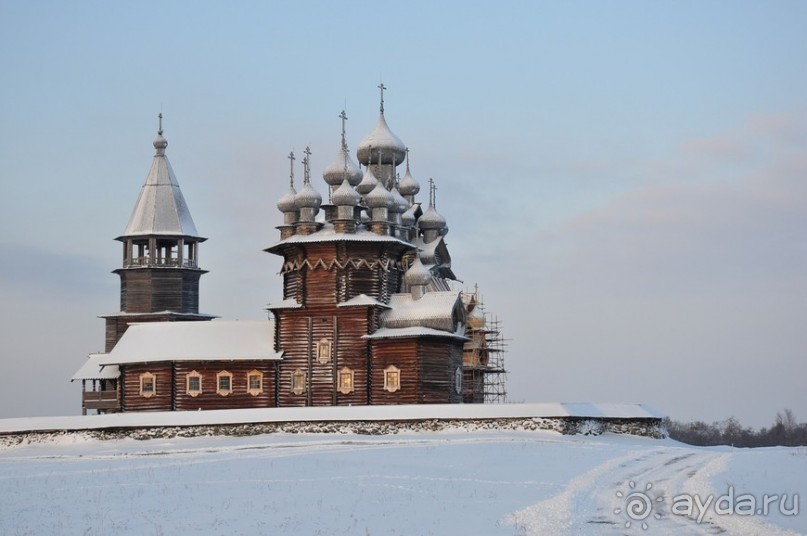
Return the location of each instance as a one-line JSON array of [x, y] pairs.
[[161, 400], [239, 396], [400, 353], [439, 361], [148, 290]]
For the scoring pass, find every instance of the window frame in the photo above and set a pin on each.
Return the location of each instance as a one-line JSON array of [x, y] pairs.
[[346, 387], [219, 376], [458, 380], [299, 381], [389, 386], [146, 376], [255, 391], [324, 350], [188, 390]]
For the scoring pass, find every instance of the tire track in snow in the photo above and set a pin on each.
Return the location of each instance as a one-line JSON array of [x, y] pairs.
[[588, 505]]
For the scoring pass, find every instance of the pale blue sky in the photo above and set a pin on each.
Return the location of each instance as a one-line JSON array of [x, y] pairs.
[[625, 180]]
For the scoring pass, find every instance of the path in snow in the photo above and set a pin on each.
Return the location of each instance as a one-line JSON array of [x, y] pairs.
[[596, 501]]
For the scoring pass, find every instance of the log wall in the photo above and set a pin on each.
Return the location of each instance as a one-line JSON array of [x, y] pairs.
[[149, 290], [162, 400], [238, 397]]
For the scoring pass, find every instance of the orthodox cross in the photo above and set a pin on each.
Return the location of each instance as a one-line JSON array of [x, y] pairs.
[[307, 165], [160, 129], [382, 88], [343, 116], [291, 168]]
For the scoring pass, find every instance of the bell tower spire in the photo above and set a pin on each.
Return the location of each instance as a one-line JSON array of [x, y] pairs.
[[160, 273]]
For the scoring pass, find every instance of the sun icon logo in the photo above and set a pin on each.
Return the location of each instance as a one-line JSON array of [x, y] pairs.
[[638, 505]]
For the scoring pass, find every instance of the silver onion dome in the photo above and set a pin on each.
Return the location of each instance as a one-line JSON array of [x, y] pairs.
[[342, 168], [307, 197], [401, 204], [381, 142], [417, 274], [431, 219], [379, 197], [346, 195], [408, 185], [408, 217], [367, 183], [287, 203]]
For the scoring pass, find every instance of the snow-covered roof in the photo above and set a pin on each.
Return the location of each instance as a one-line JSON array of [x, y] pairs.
[[362, 300], [288, 303], [328, 234], [414, 331], [160, 207], [228, 340], [332, 413], [92, 370], [433, 310]]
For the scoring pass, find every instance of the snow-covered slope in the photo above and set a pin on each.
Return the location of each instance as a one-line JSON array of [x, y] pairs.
[[483, 483]]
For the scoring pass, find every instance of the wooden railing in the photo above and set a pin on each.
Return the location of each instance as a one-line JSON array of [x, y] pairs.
[[101, 399], [145, 261]]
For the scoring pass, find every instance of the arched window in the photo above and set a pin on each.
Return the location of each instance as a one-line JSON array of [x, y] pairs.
[[148, 385], [255, 382], [224, 383], [193, 383], [392, 378]]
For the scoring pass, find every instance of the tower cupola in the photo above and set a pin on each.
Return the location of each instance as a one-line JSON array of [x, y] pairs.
[[343, 168], [307, 200], [408, 186], [288, 204], [381, 142], [416, 278], [432, 223]]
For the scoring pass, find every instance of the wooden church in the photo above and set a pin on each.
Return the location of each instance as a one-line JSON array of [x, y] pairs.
[[369, 313]]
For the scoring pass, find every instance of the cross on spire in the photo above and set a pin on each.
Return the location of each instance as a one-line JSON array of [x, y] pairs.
[[160, 128], [307, 165], [407, 159], [343, 116], [382, 87], [432, 190], [291, 168]]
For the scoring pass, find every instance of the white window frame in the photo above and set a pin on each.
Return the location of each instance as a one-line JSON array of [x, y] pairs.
[[251, 390], [188, 390], [389, 386], [350, 385], [219, 390], [153, 379]]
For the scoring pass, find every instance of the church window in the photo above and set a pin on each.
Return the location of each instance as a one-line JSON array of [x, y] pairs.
[[193, 383], [298, 380], [324, 351], [458, 380], [392, 378], [255, 382], [148, 386], [224, 383], [346, 380]]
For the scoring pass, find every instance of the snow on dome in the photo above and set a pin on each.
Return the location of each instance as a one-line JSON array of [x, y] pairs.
[[379, 197], [381, 142], [417, 274], [408, 217], [401, 204], [408, 185], [367, 183], [431, 219], [307, 197], [287, 203], [346, 195], [342, 168], [160, 143]]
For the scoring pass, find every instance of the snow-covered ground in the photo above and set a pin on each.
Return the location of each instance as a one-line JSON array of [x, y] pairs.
[[440, 483]]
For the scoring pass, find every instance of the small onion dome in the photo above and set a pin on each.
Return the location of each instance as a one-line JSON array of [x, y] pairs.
[[381, 141], [307, 197], [346, 196], [379, 197], [431, 219], [408, 185], [408, 217], [367, 183], [417, 274], [401, 204], [342, 168], [160, 143], [287, 202]]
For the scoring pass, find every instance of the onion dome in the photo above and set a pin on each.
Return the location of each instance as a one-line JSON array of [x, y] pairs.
[[346, 195], [287, 203], [160, 143], [476, 319], [379, 197], [417, 274], [431, 219], [341, 169], [307, 197], [401, 204], [408, 185], [381, 141], [408, 217], [367, 183]]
